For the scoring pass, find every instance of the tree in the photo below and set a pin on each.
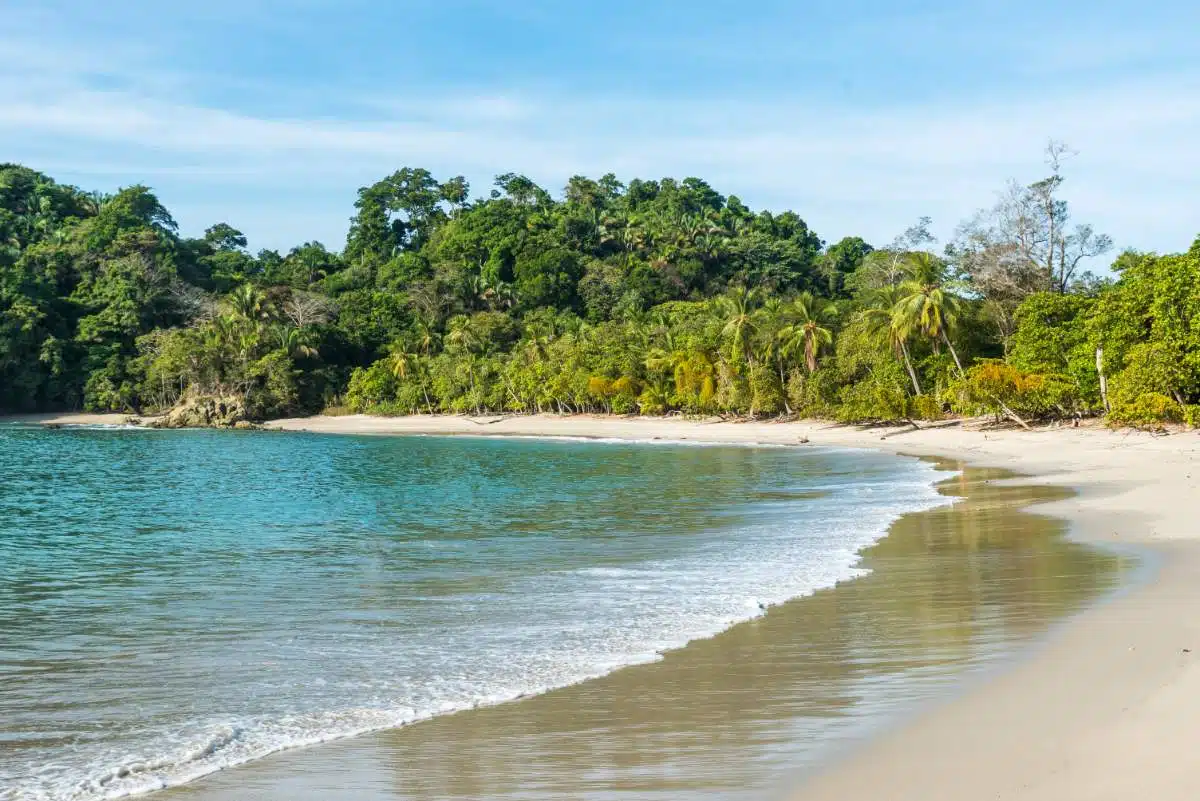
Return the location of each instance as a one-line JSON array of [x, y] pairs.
[[805, 335], [736, 308], [925, 306], [1025, 244], [880, 318]]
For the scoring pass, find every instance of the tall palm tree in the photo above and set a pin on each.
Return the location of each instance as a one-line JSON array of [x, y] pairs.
[[736, 308], [925, 306], [806, 334], [880, 317]]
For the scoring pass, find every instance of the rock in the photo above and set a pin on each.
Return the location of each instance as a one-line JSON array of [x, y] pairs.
[[205, 411]]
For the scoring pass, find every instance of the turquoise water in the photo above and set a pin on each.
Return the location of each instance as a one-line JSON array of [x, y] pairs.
[[172, 603]]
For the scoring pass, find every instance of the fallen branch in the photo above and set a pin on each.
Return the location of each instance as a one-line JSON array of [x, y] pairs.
[[1010, 413]]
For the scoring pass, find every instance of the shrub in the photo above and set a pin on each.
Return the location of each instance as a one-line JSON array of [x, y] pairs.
[[1191, 415], [812, 395], [997, 388], [1146, 409], [1140, 394], [926, 407]]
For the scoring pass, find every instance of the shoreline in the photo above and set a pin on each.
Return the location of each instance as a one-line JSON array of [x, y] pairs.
[[1103, 710], [817, 675]]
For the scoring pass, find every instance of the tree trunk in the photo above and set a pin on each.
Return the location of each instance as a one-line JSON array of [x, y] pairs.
[[954, 353], [475, 395], [909, 366], [783, 388], [1103, 379], [425, 392]]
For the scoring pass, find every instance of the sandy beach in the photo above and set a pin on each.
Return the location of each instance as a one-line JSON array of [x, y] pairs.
[[1106, 709]]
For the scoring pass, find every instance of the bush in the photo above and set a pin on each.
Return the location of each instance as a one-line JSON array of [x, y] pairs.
[[881, 396], [926, 407], [812, 395], [1141, 394], [996, 388], [370, 387], [767, 393], [1146, 409], [1191, 415]]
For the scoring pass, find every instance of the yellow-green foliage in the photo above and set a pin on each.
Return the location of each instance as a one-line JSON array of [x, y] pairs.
[[993, 386], [926, 407], [1191, 415], [1146, 409], [1142, 393]]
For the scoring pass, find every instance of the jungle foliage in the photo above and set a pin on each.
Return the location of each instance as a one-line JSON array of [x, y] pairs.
[[649, 297]]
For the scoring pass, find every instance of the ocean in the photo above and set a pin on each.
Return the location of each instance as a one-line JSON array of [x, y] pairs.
[[176, 603]]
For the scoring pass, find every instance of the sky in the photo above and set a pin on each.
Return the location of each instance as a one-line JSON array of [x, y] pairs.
[[860, 115]]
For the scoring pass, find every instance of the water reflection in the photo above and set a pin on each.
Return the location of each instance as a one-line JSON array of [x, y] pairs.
[[736, 716]]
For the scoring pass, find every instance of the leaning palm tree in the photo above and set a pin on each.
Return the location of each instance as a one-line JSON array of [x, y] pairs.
[[925, 306], [880, 317], [805, 334]]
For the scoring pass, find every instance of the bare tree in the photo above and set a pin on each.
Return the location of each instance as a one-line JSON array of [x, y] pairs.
[[1025, 243], [305, 308], [196, 305]]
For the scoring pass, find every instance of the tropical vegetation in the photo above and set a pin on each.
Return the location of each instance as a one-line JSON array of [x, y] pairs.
[[652, 297]]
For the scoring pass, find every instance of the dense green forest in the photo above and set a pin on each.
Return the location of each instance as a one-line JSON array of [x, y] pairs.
[[649, 297]]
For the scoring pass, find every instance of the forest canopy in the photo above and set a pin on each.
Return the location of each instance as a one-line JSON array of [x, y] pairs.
[[649, 297]]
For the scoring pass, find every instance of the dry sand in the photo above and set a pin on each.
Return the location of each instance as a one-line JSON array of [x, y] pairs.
[[1109, 709]]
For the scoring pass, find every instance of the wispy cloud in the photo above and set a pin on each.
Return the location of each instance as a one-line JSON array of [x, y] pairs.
[[104, 118]]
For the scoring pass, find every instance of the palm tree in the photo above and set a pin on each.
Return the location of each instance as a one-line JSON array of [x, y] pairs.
[[880, 317], [463, 335], [404, 363], [806, 334], [736, 308], [293, 341], [426, 338], [248, 302], [925, 306]]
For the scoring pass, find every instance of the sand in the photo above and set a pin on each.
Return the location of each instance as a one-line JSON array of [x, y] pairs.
[[1109, 708]]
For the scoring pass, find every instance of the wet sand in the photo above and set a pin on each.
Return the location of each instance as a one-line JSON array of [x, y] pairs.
[[954, 592]]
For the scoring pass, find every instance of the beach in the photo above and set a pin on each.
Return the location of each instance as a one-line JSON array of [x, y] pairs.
[[1105, 708]]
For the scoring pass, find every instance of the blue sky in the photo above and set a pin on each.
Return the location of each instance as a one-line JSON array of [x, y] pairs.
[[861, 115]]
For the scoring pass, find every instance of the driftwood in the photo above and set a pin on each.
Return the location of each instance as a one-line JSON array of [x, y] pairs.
[[1013, 415]]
